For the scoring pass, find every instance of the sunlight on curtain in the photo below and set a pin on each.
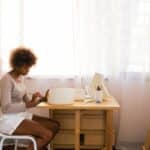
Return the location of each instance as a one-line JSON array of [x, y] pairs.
[[113, 38], [137, 35], [98, 37], [134, 83], [73, 37], [48, 29], [10, 29]]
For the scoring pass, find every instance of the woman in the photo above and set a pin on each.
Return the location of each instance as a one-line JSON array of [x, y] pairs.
[[14, 103]]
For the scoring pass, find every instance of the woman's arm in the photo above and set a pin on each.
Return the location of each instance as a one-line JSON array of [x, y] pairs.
[[36, 99], [6, 103]]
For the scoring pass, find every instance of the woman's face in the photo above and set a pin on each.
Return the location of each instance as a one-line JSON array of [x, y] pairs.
[[23, 70]]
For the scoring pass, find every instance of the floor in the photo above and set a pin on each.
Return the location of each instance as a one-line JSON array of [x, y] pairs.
[[12, 148], [125, 147], [128, 146]]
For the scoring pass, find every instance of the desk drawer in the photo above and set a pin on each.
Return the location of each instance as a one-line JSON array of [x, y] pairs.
[[65, 138], [94, 138], [93, 120], [66, 121], [97, 123]]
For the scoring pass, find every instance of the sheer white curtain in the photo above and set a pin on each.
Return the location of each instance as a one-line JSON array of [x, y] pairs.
[[114, 38], [49, 31], [73, 35], [98, 36], [134, 82], [46, 27], [10, 29], [80, 37]]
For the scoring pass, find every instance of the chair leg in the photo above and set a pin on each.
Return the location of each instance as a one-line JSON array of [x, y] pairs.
[[48, 147], [2, 143], [16, 144]]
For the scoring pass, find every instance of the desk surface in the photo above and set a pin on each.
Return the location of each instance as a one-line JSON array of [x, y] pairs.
[[108, 104]]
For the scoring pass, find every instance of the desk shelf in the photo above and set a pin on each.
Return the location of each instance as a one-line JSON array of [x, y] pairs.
[[87, 128]]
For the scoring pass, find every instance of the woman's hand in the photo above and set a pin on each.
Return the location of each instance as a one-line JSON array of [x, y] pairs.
[[36, 96], [36, 99], [45, 97]]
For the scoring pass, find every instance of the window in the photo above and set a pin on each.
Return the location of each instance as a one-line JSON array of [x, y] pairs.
[[139, 40], [49, 30], [67, 35], [46, 27]]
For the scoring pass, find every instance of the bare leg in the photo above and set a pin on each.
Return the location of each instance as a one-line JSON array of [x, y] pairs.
[[33, 128], [50, 124]]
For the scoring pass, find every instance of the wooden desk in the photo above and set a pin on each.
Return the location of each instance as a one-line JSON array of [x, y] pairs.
[[84, 125]]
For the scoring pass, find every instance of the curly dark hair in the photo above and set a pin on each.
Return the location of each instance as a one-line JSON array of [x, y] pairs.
[[22, 56]]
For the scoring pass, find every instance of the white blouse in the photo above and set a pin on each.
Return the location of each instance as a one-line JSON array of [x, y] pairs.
[[13, 109]]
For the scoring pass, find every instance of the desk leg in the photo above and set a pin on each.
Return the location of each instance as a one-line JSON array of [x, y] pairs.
[[77, 130], [109, 135], [51, 144]]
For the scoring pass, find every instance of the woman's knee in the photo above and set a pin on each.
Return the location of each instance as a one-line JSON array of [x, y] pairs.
[[47, 136], [56, 126]]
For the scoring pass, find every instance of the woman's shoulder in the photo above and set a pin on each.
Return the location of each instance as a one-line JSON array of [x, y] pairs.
[[5, 78]]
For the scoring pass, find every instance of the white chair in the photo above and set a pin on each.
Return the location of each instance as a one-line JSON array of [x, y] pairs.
[[4, 137], [16, 138]]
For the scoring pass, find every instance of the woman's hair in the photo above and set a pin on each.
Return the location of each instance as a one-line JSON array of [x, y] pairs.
[[22, 56]]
